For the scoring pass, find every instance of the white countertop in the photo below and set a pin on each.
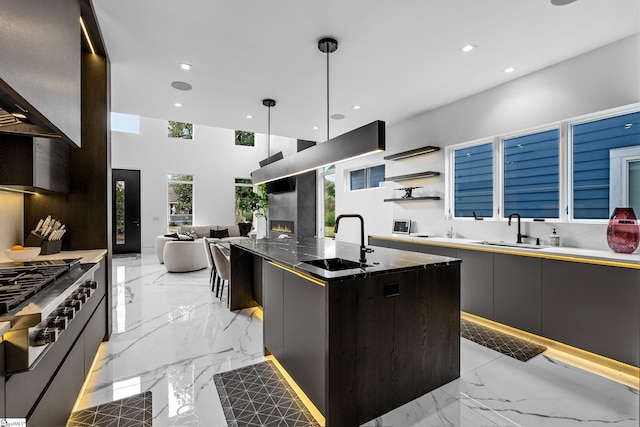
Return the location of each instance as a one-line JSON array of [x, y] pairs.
[[550, 252], [87, 256]]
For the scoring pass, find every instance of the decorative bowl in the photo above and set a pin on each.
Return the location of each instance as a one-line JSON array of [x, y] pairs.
[[25, 254]]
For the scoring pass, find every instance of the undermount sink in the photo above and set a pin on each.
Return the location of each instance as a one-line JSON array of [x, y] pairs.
[[335, 264], [512, 245]]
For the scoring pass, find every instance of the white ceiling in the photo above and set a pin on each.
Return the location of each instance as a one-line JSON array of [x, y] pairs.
[[396, 58]]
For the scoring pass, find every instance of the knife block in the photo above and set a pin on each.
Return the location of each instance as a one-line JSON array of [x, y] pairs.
[[47, 247]]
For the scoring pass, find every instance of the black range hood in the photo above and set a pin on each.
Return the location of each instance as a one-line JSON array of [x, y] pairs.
[[17, 117]]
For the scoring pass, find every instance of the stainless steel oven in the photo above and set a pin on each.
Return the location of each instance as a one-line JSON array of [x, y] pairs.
[[41, 300]]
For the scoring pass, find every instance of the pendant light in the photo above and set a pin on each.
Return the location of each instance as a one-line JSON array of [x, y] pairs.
[[267, 102], [356, 143], [328, 45]]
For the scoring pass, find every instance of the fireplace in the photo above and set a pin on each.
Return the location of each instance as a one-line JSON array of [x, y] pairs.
[[281, 226]]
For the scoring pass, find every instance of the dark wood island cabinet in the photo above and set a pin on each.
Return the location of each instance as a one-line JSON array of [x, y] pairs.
[[361, 341]]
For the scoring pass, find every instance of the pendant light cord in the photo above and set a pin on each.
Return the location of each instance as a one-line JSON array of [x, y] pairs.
[[328, 95], [269, 136]]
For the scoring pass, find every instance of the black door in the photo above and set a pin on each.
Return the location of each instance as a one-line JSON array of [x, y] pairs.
[[126, 211]]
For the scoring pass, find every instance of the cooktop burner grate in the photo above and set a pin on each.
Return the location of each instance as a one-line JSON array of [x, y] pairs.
[[17, 284]]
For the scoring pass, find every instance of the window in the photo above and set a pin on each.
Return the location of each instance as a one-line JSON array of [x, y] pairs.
[[327, 200], [473, 171], [593, 145], [180, 194], [581, 169], [128, 123], [244, 190], [179, 130], [371, 177], [245, 138], [532, 175]]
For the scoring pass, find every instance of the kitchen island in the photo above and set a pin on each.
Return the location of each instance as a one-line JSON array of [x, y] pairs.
[[359, 339]]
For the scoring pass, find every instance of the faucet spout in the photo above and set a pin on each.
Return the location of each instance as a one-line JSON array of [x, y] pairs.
[[363, 249], [520, 235]]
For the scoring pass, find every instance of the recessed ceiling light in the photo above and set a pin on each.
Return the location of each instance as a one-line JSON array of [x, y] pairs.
[[315, 128], [185, 66], [181, 85], [355, 107], [249, 116], [468, 48], [177, 104], [509, 70], [337, 116]]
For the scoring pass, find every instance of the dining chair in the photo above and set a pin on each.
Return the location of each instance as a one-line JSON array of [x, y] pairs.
[[223, 270], [208, 250]]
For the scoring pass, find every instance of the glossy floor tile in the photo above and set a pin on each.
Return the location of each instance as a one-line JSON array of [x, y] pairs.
[[171, 336]]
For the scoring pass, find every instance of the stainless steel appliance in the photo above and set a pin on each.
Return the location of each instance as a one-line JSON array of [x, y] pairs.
[[41, 299]]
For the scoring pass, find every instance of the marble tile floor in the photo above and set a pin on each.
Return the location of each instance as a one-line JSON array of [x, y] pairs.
[[171, 336]]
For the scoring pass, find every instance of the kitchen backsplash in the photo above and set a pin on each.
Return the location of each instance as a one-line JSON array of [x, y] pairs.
[[11, 220]]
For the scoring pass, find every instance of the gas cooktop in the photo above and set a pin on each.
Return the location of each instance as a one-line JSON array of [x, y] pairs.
[[20, 281]]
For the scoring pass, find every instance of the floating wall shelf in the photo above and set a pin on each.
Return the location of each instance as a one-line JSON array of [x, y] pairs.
[[427, 174], [411, 153], [411, 199]]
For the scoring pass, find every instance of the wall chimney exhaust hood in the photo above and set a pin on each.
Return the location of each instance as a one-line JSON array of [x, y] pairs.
[[17, 117], [359, 142]]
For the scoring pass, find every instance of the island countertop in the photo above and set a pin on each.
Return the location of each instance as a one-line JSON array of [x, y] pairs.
[[292, 253]]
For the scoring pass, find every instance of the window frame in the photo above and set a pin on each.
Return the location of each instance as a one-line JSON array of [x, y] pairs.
[[565, 169], [367, 176], [501, 151], [450, 177], [569, 124]]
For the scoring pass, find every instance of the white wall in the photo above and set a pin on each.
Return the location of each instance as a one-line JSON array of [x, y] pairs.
[[605, 78], [211, 157]]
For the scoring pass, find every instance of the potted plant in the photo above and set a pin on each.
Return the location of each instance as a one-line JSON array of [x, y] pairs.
[[255, 205]]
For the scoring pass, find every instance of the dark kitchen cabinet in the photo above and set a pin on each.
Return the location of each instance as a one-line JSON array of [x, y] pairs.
[[438, 250], [34, 164], [304, 335], [373, 241], [593, 307], [476, 282], [294, 327], [403, 246], [40, 45], [517, 292], [52, 410], [273, 309], [2, 400]]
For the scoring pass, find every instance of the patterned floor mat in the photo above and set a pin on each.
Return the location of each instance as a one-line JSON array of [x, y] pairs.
[[133, 411], [258, 395], [509, 345]]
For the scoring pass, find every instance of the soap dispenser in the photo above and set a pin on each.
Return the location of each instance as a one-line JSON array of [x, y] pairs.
[[554, 239]]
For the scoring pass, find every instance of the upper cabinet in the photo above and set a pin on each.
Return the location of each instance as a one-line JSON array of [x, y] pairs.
[[408, 196], [41, 62]]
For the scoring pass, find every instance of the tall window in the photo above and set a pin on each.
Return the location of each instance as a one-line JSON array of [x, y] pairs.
[[473, 182], [371, 177], [328, 200], [593, 143], [180, 195], [532, 175], [244, 195]]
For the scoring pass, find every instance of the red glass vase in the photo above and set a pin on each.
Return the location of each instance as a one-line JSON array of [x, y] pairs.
[[623, 232]]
